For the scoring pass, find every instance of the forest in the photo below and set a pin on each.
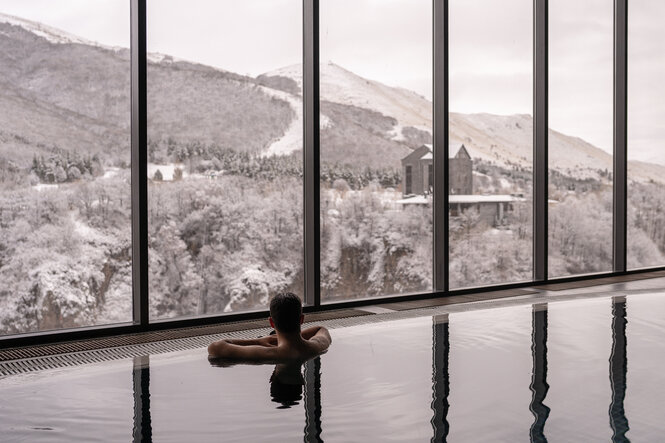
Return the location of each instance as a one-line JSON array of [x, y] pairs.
[[226, 242], [226, 212]]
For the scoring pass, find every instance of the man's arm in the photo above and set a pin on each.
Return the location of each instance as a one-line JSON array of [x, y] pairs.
[[312, 331], [308, 333], [320, 338], [269, 340], [224, 349]]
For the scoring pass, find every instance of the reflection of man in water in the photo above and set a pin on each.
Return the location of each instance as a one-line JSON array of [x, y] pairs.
[[289, 343], [286, 384], [286, 380]]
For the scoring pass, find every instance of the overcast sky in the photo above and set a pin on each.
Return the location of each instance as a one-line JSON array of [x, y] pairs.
[[390, 41]]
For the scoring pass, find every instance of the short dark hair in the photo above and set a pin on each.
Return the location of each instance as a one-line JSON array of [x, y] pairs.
[[285, 310]]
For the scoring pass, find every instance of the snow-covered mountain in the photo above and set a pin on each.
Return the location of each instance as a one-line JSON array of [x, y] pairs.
[[367, 121], [51, 34], [506, 140], [339, 85]]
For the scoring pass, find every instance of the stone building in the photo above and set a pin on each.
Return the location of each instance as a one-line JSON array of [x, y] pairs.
[[417, 186], [418, 177]]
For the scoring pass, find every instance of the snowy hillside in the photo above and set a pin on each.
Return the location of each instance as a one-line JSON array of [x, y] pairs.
[[49, 33], [339, 85], [225, 210], [508, 140], [190, 103], [504, 139]]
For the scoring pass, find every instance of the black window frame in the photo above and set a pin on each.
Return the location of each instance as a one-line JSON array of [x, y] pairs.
[[311, 161]]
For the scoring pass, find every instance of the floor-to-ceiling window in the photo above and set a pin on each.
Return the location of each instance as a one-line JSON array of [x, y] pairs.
[[225, 148], [646, 134], [224, 154], [376, 145], [490, 142], [580, 136], [65, 246]]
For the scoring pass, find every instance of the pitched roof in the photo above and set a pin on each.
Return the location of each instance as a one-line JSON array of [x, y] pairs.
[[427, 154]]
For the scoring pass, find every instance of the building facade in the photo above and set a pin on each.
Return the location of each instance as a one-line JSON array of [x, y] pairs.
[[418, 176], [417, 185]]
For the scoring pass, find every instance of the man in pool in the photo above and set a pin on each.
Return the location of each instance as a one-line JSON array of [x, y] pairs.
[[288, 344]]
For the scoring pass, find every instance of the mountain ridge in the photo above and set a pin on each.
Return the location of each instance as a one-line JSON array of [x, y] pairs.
[[190, 102]]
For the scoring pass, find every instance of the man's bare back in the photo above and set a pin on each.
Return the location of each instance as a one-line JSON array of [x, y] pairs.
[[293, 346], [289, 343]]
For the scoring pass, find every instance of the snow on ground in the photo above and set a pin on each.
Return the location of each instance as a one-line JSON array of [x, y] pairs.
[[396, 133], [89, 234], [424, 128], [476, 198], [110, 172], [415, 200], [44, 186], [325, 122], [505, 183], [389, 197], [167, 170], [118, 302], [503, 139], [339, 85], [504, 232], [506, 140], [292, 140]]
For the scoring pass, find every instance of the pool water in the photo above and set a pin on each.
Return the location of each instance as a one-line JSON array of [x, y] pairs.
[[568, 371]]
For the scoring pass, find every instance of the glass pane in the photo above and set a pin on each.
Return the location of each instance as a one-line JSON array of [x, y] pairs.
[[225, 154], [491, 142], [65, 206], [376, 135], [580, 136], [646, 134]]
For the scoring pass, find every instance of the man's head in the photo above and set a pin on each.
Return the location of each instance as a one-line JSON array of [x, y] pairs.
[[286, 312]]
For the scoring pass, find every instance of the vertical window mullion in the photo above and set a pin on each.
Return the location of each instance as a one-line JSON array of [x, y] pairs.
[[441, 148], [311, 150], [620, 187], [540, 139], [139, 166]]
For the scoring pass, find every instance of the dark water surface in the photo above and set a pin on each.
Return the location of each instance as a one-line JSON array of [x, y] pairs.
[[581, 371]]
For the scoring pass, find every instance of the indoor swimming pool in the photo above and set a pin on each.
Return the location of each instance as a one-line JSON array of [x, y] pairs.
[[584, 370]]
